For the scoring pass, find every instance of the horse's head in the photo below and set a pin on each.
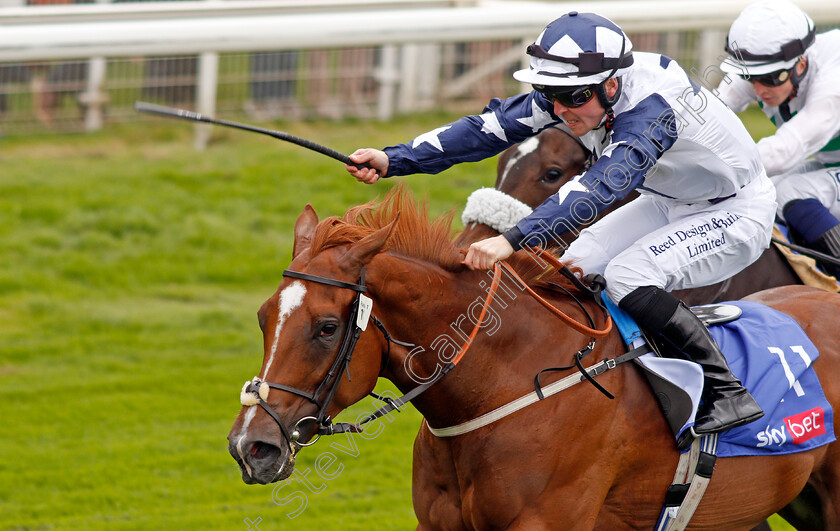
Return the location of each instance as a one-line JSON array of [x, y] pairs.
[[527, 173], [536, 168], [311, 346]]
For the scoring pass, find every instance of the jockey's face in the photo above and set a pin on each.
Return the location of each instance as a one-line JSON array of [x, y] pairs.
[[775, 96], [588, 116]]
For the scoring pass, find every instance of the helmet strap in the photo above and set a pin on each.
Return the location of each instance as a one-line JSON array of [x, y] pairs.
[[601, 90], [795, 79], [606, 101]]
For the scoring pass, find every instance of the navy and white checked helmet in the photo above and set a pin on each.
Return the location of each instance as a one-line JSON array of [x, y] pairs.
[[577, 49], [768, 36]]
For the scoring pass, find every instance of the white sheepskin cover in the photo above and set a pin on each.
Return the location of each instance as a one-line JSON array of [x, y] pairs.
[[250, 399], [494, 208]]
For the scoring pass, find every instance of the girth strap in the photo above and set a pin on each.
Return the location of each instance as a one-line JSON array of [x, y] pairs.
[[694, 471]]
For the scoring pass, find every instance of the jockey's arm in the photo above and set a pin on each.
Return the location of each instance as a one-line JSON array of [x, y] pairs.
[[472, 138], [378, 160], [638, 139], [803, 135]]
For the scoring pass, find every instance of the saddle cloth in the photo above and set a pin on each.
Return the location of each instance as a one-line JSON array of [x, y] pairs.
[[771, 355], [805, 267]]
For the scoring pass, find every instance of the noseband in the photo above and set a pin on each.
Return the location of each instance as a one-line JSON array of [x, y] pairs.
[[256, 391]]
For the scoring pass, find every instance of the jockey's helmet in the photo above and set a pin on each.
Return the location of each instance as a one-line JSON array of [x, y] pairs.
[[575, 50], [768, 36]]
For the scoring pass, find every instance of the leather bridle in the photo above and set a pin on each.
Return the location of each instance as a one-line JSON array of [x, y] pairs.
[[329, 385], [257, 390]]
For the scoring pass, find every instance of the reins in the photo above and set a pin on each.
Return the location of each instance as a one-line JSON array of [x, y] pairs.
[[564, 270], [394, 404], [595, 292], [255, 392]]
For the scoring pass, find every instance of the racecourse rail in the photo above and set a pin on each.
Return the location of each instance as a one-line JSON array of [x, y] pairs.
[[399, 29]]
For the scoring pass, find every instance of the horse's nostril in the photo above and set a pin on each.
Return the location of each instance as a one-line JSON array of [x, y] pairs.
[[261, 450]]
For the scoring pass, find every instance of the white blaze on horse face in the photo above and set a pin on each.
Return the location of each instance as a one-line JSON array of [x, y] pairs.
[[249, 416], [528, 146], [289, 299]]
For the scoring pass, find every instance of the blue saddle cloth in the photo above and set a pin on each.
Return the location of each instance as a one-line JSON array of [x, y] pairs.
[[771, 355]]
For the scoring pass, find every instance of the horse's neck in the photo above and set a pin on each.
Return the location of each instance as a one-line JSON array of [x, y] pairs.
[[473, 233], [437, 310]]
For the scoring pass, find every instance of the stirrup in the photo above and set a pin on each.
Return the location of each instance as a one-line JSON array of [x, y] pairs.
[[737, 423]]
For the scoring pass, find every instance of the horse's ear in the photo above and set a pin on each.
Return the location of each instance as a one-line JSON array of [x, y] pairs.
[[304, 229], [365, 249]]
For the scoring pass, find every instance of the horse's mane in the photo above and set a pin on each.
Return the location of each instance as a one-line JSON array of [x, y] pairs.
[[414, 235]]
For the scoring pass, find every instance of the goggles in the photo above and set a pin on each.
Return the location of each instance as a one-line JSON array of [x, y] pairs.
[[773, 79], [571, 97]]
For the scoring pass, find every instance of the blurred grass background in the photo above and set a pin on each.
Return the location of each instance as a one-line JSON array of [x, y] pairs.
[[131, 270]]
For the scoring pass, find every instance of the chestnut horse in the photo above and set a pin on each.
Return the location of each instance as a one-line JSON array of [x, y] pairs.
[[575, 460], [535, 169]]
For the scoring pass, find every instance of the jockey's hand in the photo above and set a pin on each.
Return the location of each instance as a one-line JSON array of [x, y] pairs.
[[372, 157], [485, 253]]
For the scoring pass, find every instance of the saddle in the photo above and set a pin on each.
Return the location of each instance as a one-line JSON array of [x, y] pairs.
[[677, 404], [771, 355]]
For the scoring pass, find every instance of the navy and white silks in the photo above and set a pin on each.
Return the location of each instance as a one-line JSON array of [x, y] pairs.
[[707, 206]]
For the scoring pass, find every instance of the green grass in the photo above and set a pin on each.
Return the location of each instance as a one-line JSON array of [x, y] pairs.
[[131, 270]]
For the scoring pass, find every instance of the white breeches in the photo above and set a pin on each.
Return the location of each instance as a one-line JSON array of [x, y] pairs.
[[655, 241], [810, 181]]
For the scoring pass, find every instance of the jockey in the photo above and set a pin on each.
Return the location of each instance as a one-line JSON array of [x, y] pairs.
[[794, 74], [706, 209]]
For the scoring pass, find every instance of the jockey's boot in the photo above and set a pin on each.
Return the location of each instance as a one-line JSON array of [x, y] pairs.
[[829, 243], [815, 224], [726, 403]]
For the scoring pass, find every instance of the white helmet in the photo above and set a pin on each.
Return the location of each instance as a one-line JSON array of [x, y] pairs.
[[768, 36], [577, 49]]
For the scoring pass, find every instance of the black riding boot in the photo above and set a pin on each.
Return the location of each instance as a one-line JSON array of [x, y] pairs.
[[829, 243], [727, 404]]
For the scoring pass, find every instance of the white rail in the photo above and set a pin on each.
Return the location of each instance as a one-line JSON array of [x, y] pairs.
[[121, 30], [398, 27]]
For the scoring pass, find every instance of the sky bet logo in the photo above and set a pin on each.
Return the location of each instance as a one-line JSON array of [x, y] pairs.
[[801, 427]]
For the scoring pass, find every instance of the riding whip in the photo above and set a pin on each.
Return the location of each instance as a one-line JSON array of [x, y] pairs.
[[809, 252], [171, 112]]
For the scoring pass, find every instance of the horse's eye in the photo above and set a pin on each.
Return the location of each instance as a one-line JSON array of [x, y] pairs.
[[552, 176], [328, 330]]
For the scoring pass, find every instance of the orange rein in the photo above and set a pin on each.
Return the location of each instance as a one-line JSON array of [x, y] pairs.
[[583, 329], [491, 294]]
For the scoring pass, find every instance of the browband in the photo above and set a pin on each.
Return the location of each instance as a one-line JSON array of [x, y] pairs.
[[321, 280]]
